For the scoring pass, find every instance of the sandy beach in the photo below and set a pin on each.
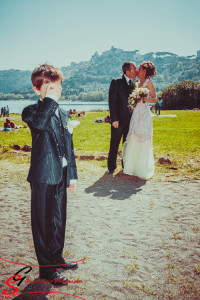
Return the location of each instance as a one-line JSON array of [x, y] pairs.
[[140, 238]]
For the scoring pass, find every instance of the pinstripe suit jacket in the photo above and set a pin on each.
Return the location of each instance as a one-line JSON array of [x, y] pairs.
[[46, 155]]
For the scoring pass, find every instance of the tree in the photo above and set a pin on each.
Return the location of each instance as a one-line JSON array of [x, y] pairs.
[[182, 95]]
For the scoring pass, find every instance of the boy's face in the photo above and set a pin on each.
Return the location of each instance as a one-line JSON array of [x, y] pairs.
[[49, 87]]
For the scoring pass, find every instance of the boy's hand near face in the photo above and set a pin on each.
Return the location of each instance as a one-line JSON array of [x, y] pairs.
[[50, 88], [54, 88]]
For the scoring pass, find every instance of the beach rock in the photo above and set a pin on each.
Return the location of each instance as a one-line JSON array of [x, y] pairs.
[[163, 160], [102, 157], [14, 152], [87, 157], [16, 147], [27, 148]]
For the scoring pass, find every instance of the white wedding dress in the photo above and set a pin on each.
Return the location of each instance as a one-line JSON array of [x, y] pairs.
[[137, 151]]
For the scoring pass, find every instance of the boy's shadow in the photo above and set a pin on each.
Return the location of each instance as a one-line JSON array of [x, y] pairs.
[[34, 290], [119, 187]]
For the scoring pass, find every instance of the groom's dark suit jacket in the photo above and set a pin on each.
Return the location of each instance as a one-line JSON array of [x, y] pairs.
[[50, 139], [118, 101]]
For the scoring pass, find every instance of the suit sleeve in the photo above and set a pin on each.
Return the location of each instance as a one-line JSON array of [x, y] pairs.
[[73, 169], [113, 95], [39, 119]]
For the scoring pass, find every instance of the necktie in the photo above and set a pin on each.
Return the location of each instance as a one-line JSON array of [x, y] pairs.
[[130, 84]]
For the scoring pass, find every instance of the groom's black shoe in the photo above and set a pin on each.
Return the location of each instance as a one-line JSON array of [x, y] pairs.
[[68, 265], [110, 171], [55, 278]]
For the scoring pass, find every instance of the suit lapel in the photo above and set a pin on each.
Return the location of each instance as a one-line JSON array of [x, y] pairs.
[[125, 86], [124, 82], [64, 116]]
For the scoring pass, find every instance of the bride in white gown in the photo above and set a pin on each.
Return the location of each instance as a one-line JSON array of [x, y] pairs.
[[137, 151]]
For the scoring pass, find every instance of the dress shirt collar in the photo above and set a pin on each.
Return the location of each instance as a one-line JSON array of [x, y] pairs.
[[127, 79]]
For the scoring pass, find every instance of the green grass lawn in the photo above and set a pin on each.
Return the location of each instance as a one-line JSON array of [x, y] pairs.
[[174, 135], [178, 137]]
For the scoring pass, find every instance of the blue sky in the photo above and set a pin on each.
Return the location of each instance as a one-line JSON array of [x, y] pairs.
[[63, 31]]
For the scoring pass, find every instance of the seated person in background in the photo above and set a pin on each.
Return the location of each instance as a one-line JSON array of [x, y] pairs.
[[81, 114], [11, 125], [107, 119], [7, 124], [99, 121]]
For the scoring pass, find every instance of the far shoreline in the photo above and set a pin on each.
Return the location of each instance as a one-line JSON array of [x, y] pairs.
[[61, 100]]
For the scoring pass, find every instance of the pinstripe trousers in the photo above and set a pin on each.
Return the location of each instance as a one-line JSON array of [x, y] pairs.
[[48, 220]]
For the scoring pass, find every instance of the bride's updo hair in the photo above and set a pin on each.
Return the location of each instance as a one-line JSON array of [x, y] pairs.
[[150, 68]]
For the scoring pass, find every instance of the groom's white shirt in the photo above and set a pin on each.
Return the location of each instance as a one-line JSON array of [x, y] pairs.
[[127, 79]]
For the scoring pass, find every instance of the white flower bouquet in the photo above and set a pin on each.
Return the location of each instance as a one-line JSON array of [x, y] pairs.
[[138, 94]]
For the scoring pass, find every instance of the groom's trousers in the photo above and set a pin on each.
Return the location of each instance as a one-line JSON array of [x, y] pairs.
[[48, 220], [116, 135]]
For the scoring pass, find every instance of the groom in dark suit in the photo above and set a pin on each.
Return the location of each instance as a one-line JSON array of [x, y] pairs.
[[119, 113], [52, 170]]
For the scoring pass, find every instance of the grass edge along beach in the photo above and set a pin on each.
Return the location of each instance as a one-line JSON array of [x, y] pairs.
[[174, 138]]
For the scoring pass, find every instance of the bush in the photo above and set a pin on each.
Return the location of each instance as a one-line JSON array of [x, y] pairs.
[[182, 95]]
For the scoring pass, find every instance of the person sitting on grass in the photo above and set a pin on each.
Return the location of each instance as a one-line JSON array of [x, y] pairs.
[[7, 124], [10, 125], [81, 114]]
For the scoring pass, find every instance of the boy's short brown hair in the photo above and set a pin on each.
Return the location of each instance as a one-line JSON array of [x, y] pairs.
[[45, 72]]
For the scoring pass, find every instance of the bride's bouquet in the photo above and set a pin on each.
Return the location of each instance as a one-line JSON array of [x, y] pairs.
[[137, 95]]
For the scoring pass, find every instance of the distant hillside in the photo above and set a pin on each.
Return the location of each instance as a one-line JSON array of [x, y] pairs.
[[13, 80], [90, 80]]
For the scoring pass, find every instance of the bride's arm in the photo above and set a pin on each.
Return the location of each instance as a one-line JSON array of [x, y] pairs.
[[152, 90], [152, 93]]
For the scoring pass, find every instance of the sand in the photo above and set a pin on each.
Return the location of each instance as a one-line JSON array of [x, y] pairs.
[[140, 238]]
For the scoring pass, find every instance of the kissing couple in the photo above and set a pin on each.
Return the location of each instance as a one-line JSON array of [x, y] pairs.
[[135, 126]]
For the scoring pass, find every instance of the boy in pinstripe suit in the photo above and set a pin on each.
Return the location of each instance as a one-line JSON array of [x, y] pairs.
[[52, 171]]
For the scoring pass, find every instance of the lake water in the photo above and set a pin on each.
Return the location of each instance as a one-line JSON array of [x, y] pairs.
[[16, 106]]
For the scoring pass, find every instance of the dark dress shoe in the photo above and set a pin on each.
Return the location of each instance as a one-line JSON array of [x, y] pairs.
[[68, 265], [110, 172], [55, 278]]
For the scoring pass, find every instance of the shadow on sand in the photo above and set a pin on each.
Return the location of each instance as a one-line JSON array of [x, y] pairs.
[[39, 291], [36, 291], [118, 187]]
